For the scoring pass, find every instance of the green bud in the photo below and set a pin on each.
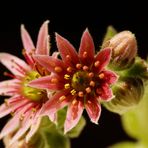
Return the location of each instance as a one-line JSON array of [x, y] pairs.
[[128, 94], [124, 50]]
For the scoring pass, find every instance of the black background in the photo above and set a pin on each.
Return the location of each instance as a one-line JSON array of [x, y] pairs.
[[70, 19]]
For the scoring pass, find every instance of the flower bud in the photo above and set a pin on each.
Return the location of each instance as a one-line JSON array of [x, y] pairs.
[[124, 50], [128, 94]]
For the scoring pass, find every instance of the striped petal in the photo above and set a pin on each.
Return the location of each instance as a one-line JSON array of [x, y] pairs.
[[74, 113], [67, 51], [43, 47], [87, 49], [14, 64], [93, 109], [26, 39]]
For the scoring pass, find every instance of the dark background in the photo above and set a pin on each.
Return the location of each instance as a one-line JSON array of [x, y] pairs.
[[70, 19]]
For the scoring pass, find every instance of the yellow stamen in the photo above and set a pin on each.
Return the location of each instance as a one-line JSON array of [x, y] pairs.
[[66, 76], [58, 69], [73, 92], [67, 86], [62, 98], [34, 110], [97, 63], [91, 74], [101, 76]]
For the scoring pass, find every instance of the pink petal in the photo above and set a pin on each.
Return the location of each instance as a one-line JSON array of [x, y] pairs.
[[49, 62], [67, 51], [43, 40], [87, 49], [93, 109], [74, 114], [54, 104], [110, 77], [45, 83], [26, 39], [4, 110], [26, 123], [106, 93], [11, 126], [14, 64], [55, 54], [8, 87], [103, 57]]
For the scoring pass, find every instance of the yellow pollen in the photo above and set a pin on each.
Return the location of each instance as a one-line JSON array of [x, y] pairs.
[[85, 68], [73, 92], [91, 74], [78, 66], [101, 76], [66, 76], [67, 86], [54, 80], [58, 69], [80, 94], [88, 90], [69, 69], [62, 98], [74, 102], [85, 54], [92, 83], [34, 110], [97, 63]]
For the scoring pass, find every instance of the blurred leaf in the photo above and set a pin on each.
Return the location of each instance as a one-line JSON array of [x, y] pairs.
[[128, 145], [135, 122]]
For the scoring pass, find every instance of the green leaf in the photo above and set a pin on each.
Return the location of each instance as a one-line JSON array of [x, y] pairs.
[[49, 136], [135, 122], [128, 145]]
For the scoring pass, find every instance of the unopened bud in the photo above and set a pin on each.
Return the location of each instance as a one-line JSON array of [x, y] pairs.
[[124, 50], [128, 94]]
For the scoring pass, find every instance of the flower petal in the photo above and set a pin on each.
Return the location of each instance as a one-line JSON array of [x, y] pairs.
[[43, 46], [103, 57], [54, 104], [106, 93], [26, 39], [8, 87], [26, 123], [74, 114], [49, 62], [93, 109], [45, 83], [14, 64], [55, 54], [67, 51], [87, 49], [110, 77], [11, 126]]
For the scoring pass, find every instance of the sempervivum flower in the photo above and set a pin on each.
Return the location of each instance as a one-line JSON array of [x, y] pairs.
[[82, 80], [25, 102]]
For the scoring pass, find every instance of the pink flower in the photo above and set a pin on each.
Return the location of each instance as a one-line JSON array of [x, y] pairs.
[[25, 103], [80, 79]]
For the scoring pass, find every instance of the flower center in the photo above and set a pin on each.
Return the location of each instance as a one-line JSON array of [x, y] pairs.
[[30, 93], [80, 80]]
